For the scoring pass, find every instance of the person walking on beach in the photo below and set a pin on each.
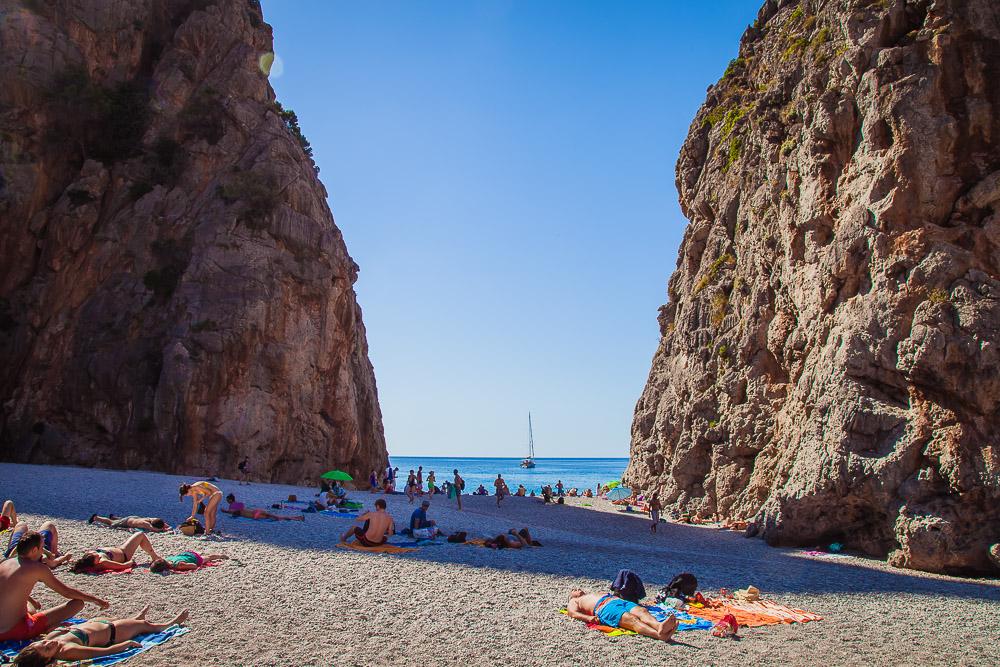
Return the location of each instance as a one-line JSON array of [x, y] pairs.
[[18, 577], [431, 489], [378, 525], [501, 488], [654, 511], [244, 467], [456, 488], [411, 486], [420, 480], [205, 492]]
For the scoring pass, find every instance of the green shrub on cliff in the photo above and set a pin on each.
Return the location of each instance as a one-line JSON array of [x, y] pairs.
[[256, 194]]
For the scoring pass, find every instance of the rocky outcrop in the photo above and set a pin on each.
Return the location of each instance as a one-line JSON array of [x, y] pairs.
[[174, 293], [829, 353]]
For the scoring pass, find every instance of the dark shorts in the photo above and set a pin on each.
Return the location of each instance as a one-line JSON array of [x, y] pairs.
[[359, 535]]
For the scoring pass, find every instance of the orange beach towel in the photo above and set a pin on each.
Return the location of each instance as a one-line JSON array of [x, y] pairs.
[[753, 614], [381, 549]]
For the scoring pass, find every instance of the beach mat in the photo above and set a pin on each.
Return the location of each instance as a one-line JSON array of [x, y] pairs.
[[753, 614], [382, 549], [9, 649], [96, 572], [339, 515]]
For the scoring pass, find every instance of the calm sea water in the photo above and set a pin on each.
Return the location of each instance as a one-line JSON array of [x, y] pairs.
[[581, 473]]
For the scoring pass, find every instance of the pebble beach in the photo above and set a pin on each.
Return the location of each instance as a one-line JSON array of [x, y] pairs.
[[289, 596]]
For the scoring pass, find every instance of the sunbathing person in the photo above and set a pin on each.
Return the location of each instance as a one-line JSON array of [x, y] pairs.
[[8, 515], [239, 509], [515, 539], [376, 529], [150, 524], [203, 492], [184, 562], [115, 558], [91, 639], [615, 612], [18, 577], [50, 540]]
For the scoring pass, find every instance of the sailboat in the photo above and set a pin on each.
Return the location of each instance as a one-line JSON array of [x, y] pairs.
[[530, 461]]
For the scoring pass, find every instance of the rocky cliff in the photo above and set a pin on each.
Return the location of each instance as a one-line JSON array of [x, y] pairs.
[[174, 293], [828, 367]]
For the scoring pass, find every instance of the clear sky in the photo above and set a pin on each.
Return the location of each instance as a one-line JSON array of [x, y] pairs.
[[503, 173]]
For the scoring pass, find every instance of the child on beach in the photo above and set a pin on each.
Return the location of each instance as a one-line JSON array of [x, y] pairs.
[[184, 562], [95, 638]]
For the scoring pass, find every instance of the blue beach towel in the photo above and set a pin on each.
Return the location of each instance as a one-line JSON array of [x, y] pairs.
[[685, 620], [10, 649], [340, 515]]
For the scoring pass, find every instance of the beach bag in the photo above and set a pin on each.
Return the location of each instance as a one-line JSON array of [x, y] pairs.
[[628, 586], [424, 533], [683, 586], [192, 527]]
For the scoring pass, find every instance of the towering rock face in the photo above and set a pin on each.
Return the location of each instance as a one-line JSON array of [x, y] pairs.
[[828, 367], [174, 293]]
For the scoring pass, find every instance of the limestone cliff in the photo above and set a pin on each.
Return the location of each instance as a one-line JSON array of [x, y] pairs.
[[174, 293], [828, 367]]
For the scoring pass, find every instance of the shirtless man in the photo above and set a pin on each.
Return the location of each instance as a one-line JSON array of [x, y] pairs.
[[614, 612], [18, 577], [378, 526], [150, 524], [501, 488]]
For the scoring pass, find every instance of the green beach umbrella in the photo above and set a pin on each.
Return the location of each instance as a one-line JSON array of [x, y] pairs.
[[338, 475], [614, 484]]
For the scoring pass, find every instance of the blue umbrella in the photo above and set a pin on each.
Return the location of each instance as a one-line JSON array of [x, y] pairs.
[[619, 493]]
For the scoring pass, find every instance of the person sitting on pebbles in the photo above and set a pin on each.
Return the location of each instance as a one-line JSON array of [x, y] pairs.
[[518, 539], [184, 562], [614, 612], [150, 524], [95, 638], [239, 509], [115, 558], [378, 525]]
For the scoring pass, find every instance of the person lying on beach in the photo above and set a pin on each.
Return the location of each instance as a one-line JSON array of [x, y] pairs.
[[50, 540], [615, 612], [517, 539], [378, 525], [239, 509], [8, 515], [203, 492], [184, 562], [18, 577], [115, 558], [150, 524], [95, 638]]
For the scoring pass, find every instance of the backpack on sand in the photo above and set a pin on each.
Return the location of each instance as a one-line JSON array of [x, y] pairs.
[[628, 586], [683, 586]]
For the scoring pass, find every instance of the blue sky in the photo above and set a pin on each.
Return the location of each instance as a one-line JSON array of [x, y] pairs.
[[503, 173]]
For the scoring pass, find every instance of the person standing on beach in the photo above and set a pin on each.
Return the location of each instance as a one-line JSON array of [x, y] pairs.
[[456, 488], [420, 480], [17, 579], [205, 492], [244, 467], [501, 488], [431, 489], [654, 511], [373, 482], [411, 486], [559, 488]]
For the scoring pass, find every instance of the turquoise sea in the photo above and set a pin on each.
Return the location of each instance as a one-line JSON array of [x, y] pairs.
[[581, 473]]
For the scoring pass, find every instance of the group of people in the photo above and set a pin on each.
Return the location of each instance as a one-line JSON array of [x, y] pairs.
[[414, 486], [30, 558]]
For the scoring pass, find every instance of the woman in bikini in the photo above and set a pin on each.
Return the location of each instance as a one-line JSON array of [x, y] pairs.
[[91, 639], [518, 539], [209, 494], [239, 509], [115, 558], [184, 562]]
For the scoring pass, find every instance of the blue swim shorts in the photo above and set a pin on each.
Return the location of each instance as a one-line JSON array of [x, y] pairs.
[[610, 613]]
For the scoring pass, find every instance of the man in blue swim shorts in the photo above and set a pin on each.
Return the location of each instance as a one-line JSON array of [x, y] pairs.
[[614, 612]]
